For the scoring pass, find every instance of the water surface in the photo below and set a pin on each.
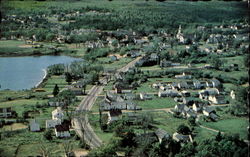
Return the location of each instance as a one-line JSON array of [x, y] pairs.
[[17, 73]]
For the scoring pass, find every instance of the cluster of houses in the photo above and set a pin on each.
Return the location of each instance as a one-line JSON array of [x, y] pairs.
[[114, 104], [57, 122], [189, 106], [60, 126]]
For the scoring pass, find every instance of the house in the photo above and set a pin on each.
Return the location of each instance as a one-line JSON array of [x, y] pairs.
[[156, 85], [204, 94], [210, 112], [52, 123], [144, 96], [56, 103], [198, 85], [34, 126], [183, 76], [198, 107], [113, 115], [214, 83], [5, 112], [57, 113], [232, 94], [185, 93], [162, 134], [62, 130], [129, 96], [113, 58], [168, 93], [179, 107], [180, 36], [183, 85], [165, 87], [165, 63], [182, 138], [154, 57], [217, 99], [132, 106]]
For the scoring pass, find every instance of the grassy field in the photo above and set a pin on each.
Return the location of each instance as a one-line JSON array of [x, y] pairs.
[[231, 125], [30, 144], [94, 121], [167, 122], [203, 134], [156, 103], [21, 105], [13, 47]]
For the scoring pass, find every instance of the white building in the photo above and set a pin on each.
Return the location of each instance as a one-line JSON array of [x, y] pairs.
[[57, 113], [62, 131], [53, 122], [34, 126]]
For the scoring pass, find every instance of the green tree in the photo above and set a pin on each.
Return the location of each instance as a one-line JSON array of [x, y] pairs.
[[55, 90], [48, 135], [215, 62], [183, 129], [68, 77]]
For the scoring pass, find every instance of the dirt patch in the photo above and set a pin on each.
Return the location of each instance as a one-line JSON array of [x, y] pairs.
[[15, 126], [25, 46], [117, 55], [80, 152]]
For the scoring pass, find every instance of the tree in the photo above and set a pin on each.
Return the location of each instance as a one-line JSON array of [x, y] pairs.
[[68, 77], [50, 37], [215, 62], [48, 135], [183, 129], [55, 90]]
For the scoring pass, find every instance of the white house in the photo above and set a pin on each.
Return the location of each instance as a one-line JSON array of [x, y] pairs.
[[183, 76], [57, 113], [182, 138], [144, 96], [162, 134], [34, 126], [217, 99], [62, 131], [53, 122], [232, 94]]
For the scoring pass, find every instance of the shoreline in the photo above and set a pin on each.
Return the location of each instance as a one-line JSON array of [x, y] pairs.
[[40, 82]]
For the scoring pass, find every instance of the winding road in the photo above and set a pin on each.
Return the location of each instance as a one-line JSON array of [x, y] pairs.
[[81, 122]]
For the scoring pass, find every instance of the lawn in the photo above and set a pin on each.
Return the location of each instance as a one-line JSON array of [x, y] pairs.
[[12, 47], [233, 125], [146, 87], [156, 103], [21, 105], [52, 81], [167, 122], [24, 143], [117, 64], [203, 134], [94, 122]]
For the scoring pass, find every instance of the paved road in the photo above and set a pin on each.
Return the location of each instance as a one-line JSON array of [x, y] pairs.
[[81, 122]]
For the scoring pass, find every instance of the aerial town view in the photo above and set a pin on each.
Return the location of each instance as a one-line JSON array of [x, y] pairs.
[[124, 78]]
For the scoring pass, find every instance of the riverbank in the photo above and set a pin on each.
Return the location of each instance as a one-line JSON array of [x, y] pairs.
[[45, 77]]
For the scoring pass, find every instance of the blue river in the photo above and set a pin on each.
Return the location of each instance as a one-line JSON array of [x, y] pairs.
[[18, 73]]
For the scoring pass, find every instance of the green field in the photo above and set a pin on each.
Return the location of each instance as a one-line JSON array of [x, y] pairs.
[[232, 125], [30, 144], [156, 103], [167, 122], [21, 105]]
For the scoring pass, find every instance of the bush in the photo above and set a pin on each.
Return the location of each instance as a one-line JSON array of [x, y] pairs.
[[48, 135]]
